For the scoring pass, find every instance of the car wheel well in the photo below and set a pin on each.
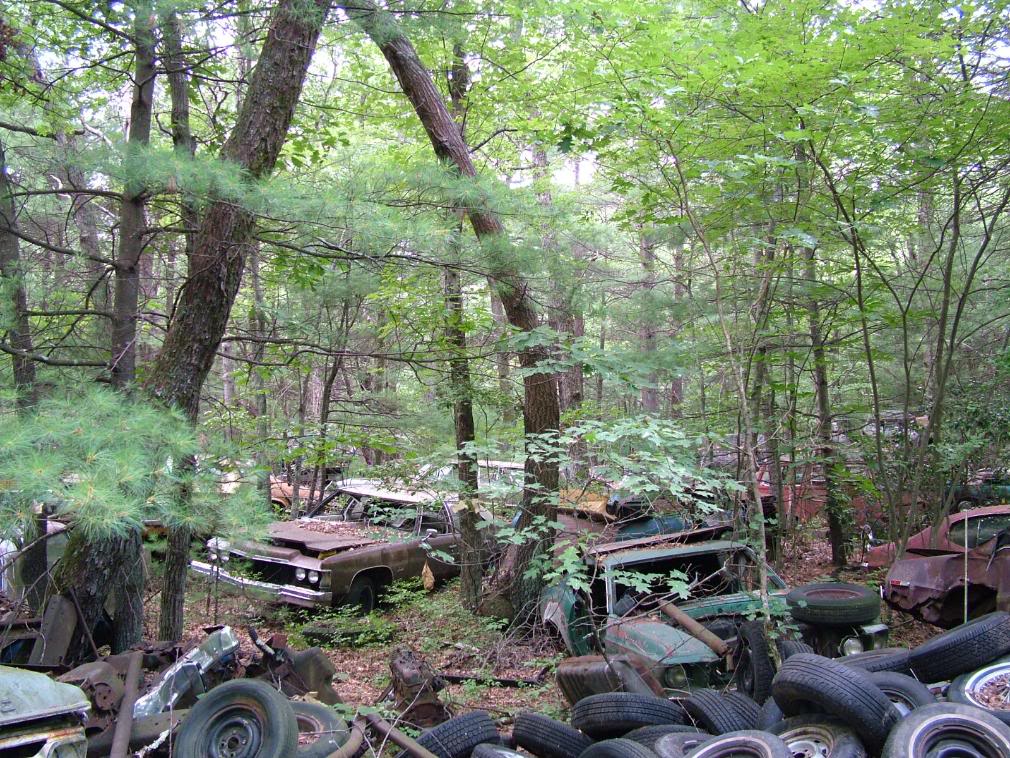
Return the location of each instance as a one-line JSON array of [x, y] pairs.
[[981, 600], [381, 576]]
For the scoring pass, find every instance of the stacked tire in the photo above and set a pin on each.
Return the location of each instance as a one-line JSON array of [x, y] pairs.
[[863, 706]]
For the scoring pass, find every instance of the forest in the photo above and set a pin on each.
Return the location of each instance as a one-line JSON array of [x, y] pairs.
[[724, 260]]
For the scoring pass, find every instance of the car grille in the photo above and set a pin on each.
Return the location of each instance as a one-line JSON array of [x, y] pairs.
[[268, 571]]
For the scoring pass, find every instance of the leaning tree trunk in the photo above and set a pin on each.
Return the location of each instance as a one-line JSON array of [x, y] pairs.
[[220, 246], [515, 592]]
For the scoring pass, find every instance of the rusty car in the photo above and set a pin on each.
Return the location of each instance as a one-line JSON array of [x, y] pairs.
[[675, 604], [370, 536], [954, 534], [40, 717], [964, 576]]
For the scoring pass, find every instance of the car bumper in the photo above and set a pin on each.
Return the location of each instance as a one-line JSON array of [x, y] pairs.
[[287, 593]]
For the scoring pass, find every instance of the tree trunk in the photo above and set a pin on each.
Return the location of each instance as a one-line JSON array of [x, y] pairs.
[[835, 502], [132, 210], [647, 255], [221, 244], [540, 406]]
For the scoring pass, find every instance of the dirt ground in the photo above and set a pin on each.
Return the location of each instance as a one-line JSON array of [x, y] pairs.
[[457, 642]]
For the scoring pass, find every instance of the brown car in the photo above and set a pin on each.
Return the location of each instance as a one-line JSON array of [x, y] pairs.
[[968, 561], [371, 537], [951, 535]]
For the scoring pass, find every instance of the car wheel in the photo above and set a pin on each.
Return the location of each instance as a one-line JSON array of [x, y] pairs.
[[842, 691], [948, 729], [363, 594], [962, 649], [835, 603], [818, 737], [618, 748], [457, 737], [718, 714], [907, 693], [753, 668], [679, 745], [971, 689], [614, 714], [885, 659], [743, 744], [650, 735], [243, 718], [320, 730], [548, 738]]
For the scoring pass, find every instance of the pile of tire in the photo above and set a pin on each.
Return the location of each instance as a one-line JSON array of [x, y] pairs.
[[871, 705]]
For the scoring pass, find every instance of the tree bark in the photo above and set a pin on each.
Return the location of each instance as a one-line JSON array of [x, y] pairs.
[[221, 244], [647, 256], [132, 210], [540, 406]]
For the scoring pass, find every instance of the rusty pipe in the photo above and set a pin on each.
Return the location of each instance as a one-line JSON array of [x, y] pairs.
[[385, 729], [124, 722], [354, 741], [695, 629]]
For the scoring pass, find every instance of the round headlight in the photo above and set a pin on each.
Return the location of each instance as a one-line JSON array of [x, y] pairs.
[[212, 555], [851, 646], [675, 678], [313, 577], [300, 575]]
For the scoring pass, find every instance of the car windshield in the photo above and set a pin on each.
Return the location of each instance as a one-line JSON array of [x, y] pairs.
[[648, 583], [976, 531]]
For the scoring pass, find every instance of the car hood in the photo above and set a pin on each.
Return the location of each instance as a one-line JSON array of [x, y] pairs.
[[29, 695], [657, 642], [291, 538]]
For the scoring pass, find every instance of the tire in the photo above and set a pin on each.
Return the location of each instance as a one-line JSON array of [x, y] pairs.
[[818, 736], [906, 692], [244, 718], [617, 748], [923, 731], [650, 735], [842, 691], [963, 689], [885, 659], [679, 745], [457, 737], [614, 714], [321, 722], [486, 750], [834, 603], [717, 713], [363, 594], [547, 738], [962, 649], [770, 714], [743, 744], [754, 668], [789, 648]]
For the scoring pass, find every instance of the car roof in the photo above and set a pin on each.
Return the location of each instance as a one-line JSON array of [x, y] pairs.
[[989, 510], [698, 548], [376, 489]]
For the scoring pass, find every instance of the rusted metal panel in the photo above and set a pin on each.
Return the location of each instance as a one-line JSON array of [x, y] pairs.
[[587, 675], [26, 695]]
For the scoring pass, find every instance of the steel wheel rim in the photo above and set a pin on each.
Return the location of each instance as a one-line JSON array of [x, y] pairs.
[[959, 739], [809, 741], [236, 733]]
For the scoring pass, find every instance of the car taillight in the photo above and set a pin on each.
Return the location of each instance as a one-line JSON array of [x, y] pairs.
[[899, 583]]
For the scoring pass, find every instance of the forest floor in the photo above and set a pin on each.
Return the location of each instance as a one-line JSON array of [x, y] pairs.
[[455, 641]]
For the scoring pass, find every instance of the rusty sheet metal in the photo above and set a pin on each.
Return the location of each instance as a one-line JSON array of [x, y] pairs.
[[659, 541], [587, 675], [933, 588], [103, 686], [28, 695]]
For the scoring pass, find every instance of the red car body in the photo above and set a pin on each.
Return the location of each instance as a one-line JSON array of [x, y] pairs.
[[947, 537]]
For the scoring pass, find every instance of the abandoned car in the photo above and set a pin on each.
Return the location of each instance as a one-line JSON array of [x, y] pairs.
[[40, 717], [967, 575], [370, 537], [675, 605], [957, 532]]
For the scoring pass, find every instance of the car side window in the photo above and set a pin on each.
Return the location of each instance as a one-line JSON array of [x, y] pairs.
[[980, 529], [436, 520]]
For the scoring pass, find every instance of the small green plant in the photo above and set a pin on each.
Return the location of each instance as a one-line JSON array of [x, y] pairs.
[[343, 627], [404, 593]]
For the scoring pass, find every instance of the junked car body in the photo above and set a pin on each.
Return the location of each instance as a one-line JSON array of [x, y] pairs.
[[968, 573], [619, 617], [371, 537], [40, 718], [955, 533]]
